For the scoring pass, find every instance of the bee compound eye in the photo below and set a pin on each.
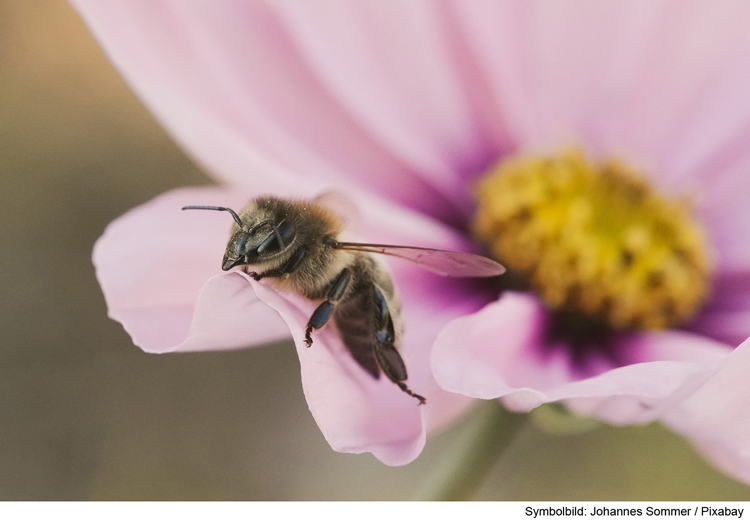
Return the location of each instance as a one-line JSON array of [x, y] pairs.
[[270, 245], [286, 232], [278, 240]]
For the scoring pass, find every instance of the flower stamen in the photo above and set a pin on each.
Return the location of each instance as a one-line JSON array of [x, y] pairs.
[[595, 238]]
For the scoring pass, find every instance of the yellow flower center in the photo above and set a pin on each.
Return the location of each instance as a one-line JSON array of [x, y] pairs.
[[595, 238]]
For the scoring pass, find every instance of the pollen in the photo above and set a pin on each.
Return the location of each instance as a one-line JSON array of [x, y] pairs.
[[595, 238]]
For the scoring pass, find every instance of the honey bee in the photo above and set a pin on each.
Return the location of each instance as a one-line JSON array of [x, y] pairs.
[[293, 245]]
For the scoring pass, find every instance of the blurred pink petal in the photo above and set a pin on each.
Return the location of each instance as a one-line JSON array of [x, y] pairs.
[[717, 416], [662, 82], [722, 207], [229, 84], [505, 356], [726, 316], [387, 62]]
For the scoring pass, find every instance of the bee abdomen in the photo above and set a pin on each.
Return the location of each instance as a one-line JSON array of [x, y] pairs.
[[355, 319]]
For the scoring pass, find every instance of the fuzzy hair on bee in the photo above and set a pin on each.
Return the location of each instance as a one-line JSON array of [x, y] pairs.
[[293, 245], [311, 226]]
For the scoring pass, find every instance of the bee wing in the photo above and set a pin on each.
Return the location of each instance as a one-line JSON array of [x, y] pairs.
[[443, 262]]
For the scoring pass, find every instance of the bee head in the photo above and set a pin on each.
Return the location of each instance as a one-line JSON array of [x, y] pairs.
[[262, 241]]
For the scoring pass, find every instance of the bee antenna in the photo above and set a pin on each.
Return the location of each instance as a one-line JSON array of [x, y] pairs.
[[218, 209], [282, 246]]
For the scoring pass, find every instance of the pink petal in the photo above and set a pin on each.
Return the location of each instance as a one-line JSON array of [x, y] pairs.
[[375, 220], [156, 265], [721, 205], [560, 73], [228, 82], [722, 209], [660, 82], [717, 416], [428, 304], [666, 366], [355, 412], [691, 90], [726, 315], [496, 352], [388, 63]]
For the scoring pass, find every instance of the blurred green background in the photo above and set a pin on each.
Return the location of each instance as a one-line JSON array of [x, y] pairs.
[[84, 414]]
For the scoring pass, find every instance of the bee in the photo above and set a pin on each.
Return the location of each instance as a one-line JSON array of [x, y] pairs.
[[293, 245]]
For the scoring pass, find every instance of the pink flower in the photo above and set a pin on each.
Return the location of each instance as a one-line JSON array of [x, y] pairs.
[[715, 416], [402, 105]]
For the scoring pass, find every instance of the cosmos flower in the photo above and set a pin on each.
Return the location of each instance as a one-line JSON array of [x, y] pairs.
[[406, 107]]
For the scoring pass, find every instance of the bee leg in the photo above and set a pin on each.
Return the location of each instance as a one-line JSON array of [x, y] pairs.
[[289, 266], [387, 356], [324, 311], [406, 389], [390, 361]]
